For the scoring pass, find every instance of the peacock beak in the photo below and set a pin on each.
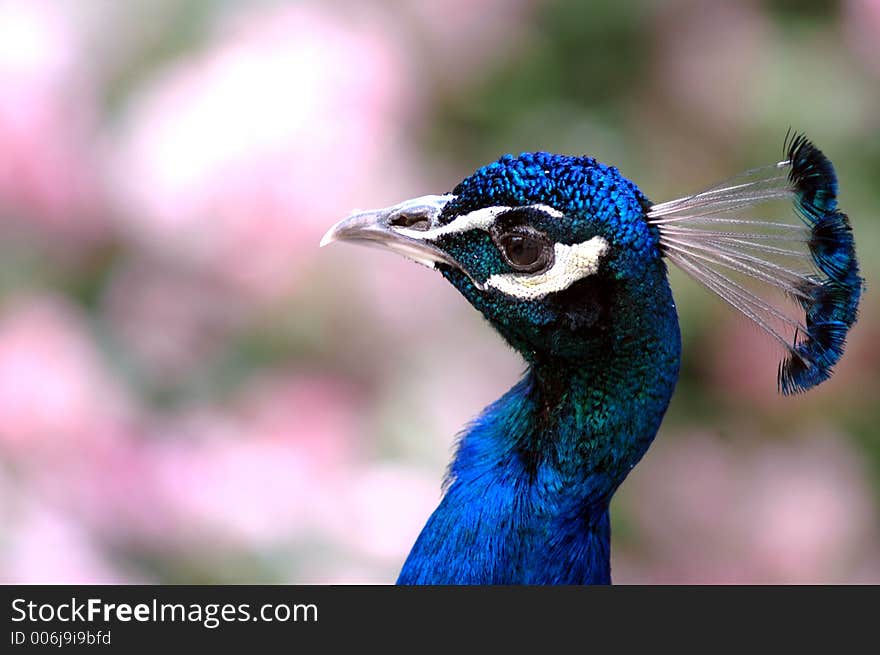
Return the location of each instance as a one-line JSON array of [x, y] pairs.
[[405, 228]]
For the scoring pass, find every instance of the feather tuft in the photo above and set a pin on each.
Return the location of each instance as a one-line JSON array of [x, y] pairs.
[[812, 176], [712, 237]]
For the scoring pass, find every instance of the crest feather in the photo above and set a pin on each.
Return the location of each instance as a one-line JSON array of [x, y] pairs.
[[714, 237]]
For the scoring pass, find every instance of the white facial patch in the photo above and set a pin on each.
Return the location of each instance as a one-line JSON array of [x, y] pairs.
[[571, 263]]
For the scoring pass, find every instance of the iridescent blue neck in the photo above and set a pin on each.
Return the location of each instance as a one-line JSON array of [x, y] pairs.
[[527, 501]]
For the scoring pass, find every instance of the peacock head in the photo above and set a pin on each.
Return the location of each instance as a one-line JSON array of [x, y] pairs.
[[555, 251], [566, 257]]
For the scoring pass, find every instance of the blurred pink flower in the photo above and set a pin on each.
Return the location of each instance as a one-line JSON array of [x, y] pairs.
[[286, 466], [785, 512], [861, 20], [239, 157], [264, 472], [43, 545], [109, 490], [246, 492], [48, 107], [55, 393], [382, 507], [171, 321], [387, 507], [466, 38], [742, 363], [271, 469], [443, 385], [810, 504], [388, 285], [709, 72]]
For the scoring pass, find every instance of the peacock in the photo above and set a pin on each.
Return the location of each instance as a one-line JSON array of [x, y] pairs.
[[567, 260]]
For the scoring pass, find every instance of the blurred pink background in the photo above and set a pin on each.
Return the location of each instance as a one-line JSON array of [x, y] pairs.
[[192, 391]]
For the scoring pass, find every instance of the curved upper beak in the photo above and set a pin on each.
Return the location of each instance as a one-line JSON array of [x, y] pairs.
[[405, 228]]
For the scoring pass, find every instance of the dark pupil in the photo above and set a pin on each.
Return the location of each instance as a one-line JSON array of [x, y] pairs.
[[522, 250]]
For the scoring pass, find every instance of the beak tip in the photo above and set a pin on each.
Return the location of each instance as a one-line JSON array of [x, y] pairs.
[[328, 238]]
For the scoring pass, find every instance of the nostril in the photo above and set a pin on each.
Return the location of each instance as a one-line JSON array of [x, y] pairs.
[[411, 220]]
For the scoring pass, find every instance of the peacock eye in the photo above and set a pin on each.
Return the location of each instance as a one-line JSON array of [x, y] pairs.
[[525, 252]]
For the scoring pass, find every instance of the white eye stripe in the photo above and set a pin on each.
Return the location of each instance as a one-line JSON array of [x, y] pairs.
[[571, 263], [480, 219]]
